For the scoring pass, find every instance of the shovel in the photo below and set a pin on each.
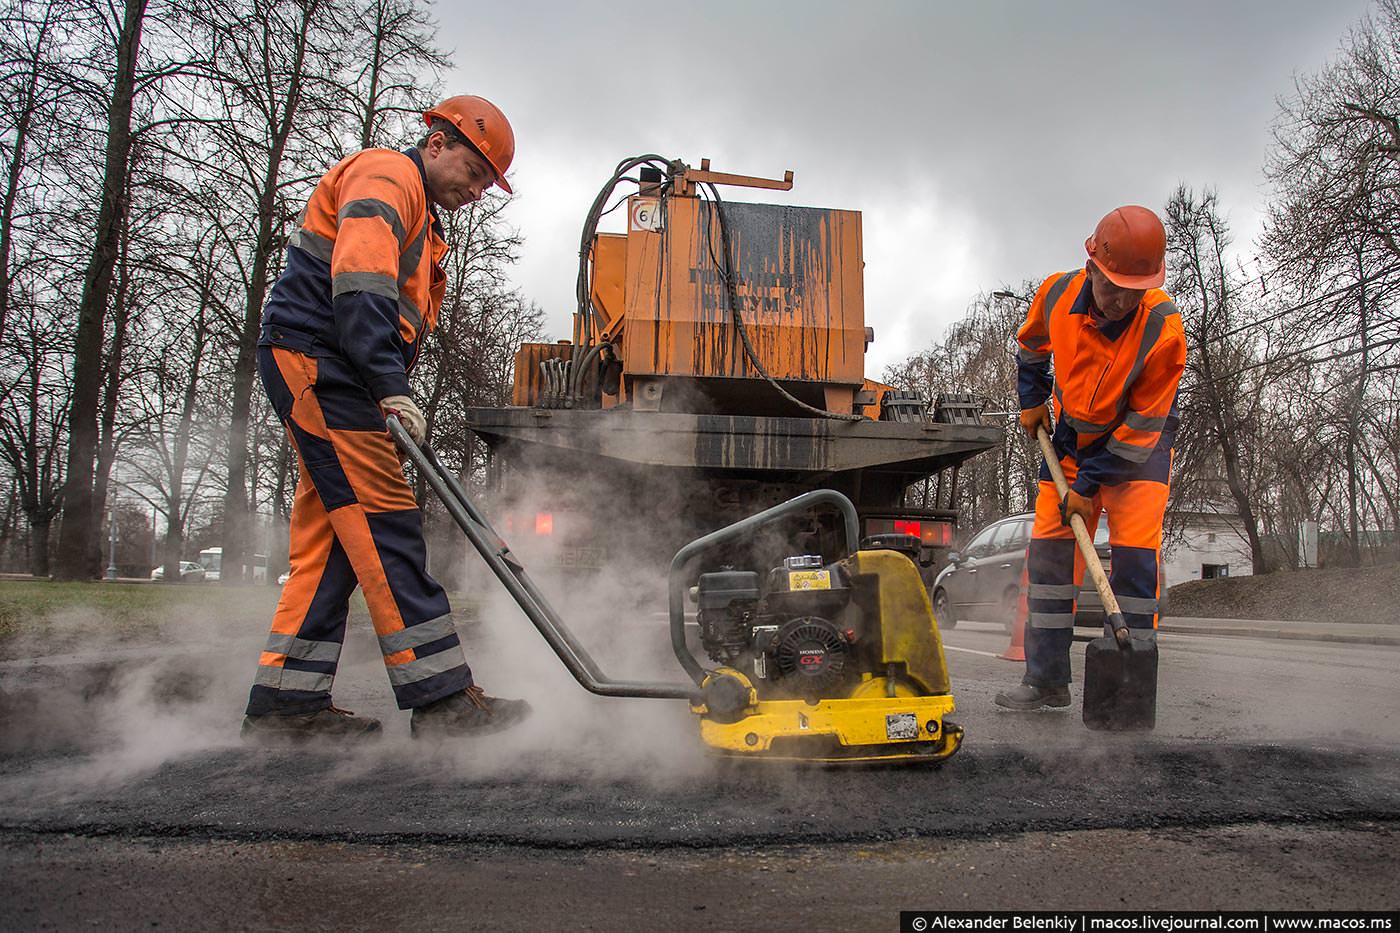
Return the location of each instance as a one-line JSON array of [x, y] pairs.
[[1120, 672]]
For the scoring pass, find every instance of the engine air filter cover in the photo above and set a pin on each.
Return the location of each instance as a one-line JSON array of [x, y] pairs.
[[810, 654]]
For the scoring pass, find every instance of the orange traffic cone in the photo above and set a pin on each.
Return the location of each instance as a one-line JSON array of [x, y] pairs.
[[1016, 651]]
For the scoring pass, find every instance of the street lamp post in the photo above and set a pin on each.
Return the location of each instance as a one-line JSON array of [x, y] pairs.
[[112, 543], [1004, 293]]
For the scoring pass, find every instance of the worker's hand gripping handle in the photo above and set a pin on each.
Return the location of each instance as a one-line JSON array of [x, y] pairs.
[[1086, 546]]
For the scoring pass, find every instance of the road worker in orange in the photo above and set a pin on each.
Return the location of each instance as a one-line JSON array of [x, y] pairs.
[[342, 327], [1107, 342]]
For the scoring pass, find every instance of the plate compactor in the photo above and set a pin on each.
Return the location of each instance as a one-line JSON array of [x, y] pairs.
[[825, 662]]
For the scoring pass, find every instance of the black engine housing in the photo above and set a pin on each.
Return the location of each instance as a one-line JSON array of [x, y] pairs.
[[795, 635]]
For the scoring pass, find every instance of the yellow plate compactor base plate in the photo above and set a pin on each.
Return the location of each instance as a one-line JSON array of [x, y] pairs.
[[863, 729]]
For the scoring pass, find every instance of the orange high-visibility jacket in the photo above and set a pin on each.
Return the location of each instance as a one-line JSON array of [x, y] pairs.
[[364, 279], [1115, 383]]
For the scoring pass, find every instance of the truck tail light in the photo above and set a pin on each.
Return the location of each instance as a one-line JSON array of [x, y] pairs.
[[544, 523], [930, 532]]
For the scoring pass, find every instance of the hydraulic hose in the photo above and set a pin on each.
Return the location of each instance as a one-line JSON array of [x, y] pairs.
[[588, 322]]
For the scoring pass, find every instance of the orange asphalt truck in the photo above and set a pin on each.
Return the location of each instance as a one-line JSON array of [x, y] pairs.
[[716, 368]]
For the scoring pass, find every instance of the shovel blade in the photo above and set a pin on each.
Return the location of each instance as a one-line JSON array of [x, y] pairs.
[[1120, 685]]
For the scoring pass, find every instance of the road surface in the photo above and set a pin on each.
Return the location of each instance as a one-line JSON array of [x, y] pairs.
[[1272, 780]]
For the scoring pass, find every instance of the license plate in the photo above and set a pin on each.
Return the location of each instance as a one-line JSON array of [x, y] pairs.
[[583, 558], [809, 579], [901, 726]]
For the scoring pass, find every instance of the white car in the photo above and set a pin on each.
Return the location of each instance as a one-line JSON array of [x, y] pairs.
[[190, 572]]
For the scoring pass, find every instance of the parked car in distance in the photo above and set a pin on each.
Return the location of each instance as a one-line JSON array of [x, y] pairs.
[[982, 580], [190, 572]]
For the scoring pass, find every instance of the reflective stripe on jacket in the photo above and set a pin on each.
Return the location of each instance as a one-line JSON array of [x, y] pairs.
[[363, 279], [1115, 383]]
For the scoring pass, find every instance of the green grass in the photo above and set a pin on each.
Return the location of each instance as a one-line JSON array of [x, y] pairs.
[[62, 614], [59, 612]]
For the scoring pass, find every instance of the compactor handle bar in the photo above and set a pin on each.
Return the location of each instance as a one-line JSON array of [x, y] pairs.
[[517, 582]]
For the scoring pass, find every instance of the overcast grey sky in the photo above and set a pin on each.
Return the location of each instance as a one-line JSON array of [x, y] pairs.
[[981, 141]]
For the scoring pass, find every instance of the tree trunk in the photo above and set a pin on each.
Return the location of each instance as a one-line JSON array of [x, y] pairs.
[[376, 60], [174, 537], [39, 547], [177, 510], [1354, 421], [78, 535], [107, 437]]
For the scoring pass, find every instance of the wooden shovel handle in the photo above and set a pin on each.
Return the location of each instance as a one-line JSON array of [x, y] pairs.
[[1086, 543]]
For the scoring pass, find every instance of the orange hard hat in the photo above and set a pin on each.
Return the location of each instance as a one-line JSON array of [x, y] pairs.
[[1130, 248], [484, 126]]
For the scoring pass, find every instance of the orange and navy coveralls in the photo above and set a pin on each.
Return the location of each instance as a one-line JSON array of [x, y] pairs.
[[342, 327], [1115, 387]]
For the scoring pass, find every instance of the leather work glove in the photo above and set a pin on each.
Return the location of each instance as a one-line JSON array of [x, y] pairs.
[[1075, 504], [1031, 418], [409, 416]]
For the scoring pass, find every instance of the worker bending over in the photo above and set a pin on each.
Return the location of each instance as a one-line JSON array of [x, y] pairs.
[[1118, 350], [345, 321]]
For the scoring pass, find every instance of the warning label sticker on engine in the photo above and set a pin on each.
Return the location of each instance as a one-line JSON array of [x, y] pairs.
[[809, 579], [901, 726]]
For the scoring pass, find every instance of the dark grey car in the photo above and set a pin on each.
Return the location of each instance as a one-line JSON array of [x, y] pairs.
[[982, 581]]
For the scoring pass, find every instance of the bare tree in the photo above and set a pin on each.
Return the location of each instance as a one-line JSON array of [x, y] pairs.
[[390, 76], [77, 539], [176, 448], [276, 64], [39, 237], [977, 354], [1220, 410], [35, 399], [29, 92], [1335, 229], [468, 360]]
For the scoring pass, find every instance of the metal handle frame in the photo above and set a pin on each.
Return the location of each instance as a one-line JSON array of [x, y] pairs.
[[517, 582], [1114, 615]]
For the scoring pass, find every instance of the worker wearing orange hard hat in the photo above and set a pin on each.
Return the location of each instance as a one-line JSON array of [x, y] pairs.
[[1107, 343], [341, 330]]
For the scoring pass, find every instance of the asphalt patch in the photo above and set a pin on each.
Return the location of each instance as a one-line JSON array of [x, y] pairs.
[[256, 794]]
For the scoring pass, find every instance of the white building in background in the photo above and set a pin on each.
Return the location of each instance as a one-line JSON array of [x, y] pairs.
[[1205, 542]]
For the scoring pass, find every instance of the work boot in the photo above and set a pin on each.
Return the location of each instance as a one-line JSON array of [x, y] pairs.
[[329, 723], [470, 712], [1027, 697]]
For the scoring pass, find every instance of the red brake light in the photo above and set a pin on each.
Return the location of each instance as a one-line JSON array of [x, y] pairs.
[[544, 523], [938, 533], [903, 526]]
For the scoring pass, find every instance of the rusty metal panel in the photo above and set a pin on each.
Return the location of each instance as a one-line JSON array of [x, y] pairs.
[[801, 293], [609, 267]]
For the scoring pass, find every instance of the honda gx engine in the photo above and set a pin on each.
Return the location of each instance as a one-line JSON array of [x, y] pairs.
[[796, 633]]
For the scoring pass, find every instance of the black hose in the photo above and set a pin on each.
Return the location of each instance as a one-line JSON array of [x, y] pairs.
[[588, 321], [590, 229]]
